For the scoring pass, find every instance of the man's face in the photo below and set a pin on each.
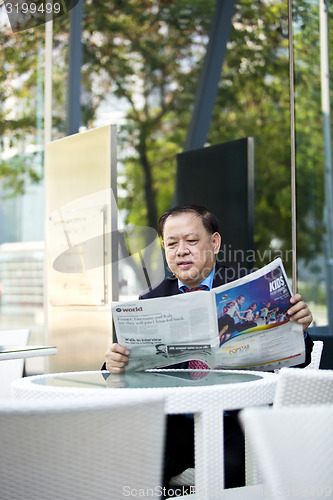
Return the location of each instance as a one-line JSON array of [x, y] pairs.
[[189, 249]]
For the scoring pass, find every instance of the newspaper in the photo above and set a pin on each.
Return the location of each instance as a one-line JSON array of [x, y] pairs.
[[240, 325]]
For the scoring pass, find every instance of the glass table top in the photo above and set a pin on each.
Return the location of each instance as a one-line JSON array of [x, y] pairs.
[[21, 352], [165, 378], [23, 348]]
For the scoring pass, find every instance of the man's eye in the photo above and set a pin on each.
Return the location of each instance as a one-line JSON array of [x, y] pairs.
[[192, 242], [171, 245]]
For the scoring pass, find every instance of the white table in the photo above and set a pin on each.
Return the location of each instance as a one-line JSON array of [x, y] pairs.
[[206, 397], [22, 352]]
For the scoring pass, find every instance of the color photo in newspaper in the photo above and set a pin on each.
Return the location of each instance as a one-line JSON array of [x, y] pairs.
[[240, 325], [254, 328]]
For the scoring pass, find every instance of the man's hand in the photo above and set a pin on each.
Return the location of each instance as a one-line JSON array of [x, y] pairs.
[[300, 312], [116, 358]]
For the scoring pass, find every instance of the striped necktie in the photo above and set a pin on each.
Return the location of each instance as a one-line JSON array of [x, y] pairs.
[[187, 289], [195, 364]]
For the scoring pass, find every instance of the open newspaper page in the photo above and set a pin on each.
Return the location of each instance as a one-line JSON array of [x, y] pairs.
[[254, 329], [168, 330], [240, 325]]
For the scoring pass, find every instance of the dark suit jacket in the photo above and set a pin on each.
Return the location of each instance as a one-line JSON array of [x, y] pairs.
[[169, 286]]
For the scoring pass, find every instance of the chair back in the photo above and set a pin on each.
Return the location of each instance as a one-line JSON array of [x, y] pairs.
[[81, 450], [316, 353], [294, 449], [11, 369], [297, 386]]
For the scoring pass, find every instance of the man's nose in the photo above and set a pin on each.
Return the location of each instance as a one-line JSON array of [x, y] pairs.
[[182, 248]]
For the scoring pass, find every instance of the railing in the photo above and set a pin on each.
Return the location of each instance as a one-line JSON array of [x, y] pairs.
[[21, 277]]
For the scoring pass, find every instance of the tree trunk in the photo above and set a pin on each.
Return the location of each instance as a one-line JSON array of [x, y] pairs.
[[150, 193]]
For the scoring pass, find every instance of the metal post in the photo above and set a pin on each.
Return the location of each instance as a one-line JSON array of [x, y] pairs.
[[47, 138], [292, 149], [210, 75], [325, 103], [74, 73], [48, 82]]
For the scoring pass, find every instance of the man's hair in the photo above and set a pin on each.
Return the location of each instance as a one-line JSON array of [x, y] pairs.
[[208, 219]]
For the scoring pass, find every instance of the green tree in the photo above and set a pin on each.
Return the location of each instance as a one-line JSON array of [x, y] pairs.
[[253, 100], [17, 79], [148, 54], [21, 103], [309, 131]]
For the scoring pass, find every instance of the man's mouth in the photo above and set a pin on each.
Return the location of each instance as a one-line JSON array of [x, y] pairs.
[[184, 264]]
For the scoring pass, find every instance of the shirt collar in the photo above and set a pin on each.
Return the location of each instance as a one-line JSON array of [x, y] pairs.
[[207, 281]]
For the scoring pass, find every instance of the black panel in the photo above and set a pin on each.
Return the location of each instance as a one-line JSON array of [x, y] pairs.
[[220, 177]]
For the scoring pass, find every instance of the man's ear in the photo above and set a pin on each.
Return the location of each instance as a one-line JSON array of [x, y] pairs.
[[163, 244], [216, 239]]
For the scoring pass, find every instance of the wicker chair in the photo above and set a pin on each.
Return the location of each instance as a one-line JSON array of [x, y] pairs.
[[253, 477], [81, 450], [207, 402], [316, 353], [298, 386], [294, 448], [295, 387]]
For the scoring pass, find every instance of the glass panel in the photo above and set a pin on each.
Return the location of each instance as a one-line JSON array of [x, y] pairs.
[[313, 184]]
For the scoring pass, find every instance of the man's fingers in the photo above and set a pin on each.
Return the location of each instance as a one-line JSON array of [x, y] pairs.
[[115, 369], [116, 358], [116, 366], [299, 311], [117, 348]]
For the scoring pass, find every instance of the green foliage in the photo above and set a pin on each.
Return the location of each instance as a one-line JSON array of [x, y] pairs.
[[17, 172], [21, 105], [313, 291], [149, 54], [309, 132]]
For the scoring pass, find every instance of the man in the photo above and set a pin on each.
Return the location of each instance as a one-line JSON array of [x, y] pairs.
[[191, 241]]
